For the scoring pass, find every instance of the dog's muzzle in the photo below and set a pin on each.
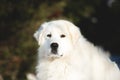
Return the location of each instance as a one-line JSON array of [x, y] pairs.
[[54, 47]]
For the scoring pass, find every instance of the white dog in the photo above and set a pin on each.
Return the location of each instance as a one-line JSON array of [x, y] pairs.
[[64, 54]]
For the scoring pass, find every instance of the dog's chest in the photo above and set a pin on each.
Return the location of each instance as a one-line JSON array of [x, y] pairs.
[[59, 71]]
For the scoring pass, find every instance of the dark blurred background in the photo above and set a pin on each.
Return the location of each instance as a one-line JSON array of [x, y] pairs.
[[99, 21]]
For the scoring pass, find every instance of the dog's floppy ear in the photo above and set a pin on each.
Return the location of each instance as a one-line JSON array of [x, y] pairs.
[[74, 32], [39, 33]]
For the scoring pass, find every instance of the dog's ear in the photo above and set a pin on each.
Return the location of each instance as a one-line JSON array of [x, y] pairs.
[[74, 32], [39, 33]]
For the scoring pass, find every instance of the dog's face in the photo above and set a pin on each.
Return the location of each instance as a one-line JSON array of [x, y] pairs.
[[57, 38]]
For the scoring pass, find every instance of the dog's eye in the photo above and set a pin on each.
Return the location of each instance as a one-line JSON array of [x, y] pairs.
[[49, 35], [62, 36]]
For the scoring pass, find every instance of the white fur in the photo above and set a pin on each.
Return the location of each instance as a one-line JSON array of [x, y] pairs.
[[76, 59]]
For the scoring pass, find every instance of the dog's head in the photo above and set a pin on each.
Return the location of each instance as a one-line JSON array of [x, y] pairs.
[[57, 38]]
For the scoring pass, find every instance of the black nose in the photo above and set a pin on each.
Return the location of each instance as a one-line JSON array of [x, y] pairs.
[[54, 45]]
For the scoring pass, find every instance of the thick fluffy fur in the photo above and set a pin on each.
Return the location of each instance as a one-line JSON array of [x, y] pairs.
[[75, 58]]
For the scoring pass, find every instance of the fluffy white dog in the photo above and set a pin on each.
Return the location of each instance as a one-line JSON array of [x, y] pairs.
[[64, 54]]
